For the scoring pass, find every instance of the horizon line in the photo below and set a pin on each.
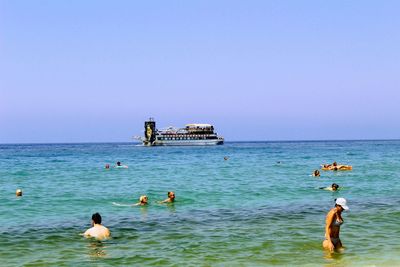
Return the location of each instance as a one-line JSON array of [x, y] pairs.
[[233, 141]]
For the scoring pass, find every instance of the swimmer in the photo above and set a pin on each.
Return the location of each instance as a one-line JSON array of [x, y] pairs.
[[107, 167], [226, 158], [316, 173], [97, 231], [170, 199], [142, 201], [120, 166], [333, 187], [18, 193], [332, 227]]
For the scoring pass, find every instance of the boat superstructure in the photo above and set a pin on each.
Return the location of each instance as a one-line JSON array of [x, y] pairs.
[[193, 134]]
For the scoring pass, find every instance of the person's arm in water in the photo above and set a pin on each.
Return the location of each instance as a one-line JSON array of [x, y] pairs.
[[108, 233], [168, 200], [329, 220], [87, 233]]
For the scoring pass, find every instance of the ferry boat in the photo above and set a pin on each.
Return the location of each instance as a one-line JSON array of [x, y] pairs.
[[193, 134]]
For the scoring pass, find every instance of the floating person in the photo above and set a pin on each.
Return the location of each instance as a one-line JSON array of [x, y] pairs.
[[18, 193], [226, 158], [332, 225], [170, 199], [120, 166], [107, 167], [316, 173], [336, 167], [333, 187], [142, 201], [97, 231]]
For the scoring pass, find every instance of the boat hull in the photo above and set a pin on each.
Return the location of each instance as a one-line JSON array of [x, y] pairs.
[[211, 142]]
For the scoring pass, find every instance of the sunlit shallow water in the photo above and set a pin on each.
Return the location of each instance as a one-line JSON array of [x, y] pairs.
[[261, 207]]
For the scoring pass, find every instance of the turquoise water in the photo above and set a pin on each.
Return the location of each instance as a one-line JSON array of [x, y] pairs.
[[247, 211]]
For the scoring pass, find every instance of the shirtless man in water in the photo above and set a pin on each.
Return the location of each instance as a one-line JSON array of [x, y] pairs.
[[170, 199], [98, 231]]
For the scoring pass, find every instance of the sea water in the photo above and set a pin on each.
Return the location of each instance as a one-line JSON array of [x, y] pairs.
[[260, 207]]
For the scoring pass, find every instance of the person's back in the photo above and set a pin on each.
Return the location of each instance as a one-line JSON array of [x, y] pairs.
[[98, 231]]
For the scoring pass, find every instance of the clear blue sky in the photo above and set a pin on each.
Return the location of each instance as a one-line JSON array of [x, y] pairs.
[[77, 71]]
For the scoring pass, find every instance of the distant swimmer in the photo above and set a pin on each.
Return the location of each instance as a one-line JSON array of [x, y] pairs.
[[332, 226], [107, 167], [97, 231], [170, 199], [226, 158], [142, 201], [333, 187], [120, 166], [18, 193], [316, 173]]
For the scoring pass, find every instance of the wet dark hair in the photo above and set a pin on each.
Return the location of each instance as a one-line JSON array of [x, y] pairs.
[[96, 217], [118, 163], [169, 193], [335, 185]]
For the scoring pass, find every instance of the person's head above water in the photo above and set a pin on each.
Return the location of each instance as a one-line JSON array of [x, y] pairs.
[[316, 173], [18, 193], [334, 163], [143, 199], [342, 203], [96, 218], [171, 195], [335, 187], [118, 163]]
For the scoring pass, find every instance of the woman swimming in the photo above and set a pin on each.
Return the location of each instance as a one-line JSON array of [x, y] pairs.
[[332, 227], [333, 187], [142, 201]]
